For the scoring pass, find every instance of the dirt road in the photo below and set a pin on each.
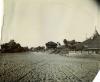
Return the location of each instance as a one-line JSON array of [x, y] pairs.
[[42, 67]]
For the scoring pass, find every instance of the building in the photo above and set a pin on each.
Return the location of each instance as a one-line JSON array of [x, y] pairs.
[[92, 44]]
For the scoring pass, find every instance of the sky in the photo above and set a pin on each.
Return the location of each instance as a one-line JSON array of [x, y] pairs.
[[35, 22]]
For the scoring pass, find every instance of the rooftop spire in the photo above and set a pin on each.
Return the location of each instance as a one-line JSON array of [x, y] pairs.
[[96, 34]]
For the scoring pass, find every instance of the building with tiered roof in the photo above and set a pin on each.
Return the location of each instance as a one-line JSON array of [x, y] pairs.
[[91, 44]]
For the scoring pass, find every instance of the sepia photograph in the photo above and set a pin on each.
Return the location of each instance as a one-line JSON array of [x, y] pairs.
[[49, 40]]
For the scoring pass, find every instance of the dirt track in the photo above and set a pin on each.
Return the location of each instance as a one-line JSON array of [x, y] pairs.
[[42, 67]]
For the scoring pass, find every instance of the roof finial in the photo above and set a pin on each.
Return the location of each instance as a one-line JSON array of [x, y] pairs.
[[96, 34]]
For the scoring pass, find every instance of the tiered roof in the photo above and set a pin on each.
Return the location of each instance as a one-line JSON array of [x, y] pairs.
[[91, 43]]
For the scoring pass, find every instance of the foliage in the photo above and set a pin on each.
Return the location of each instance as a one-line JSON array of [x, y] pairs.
[[12, 47], [51, 45]]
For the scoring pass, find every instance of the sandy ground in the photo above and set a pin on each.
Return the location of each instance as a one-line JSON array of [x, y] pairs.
[[43, 67]]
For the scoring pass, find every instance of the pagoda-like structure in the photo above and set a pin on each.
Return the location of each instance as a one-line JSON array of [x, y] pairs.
[[91, 44]]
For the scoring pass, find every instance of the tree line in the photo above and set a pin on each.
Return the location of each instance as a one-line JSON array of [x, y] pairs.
[[12, 46]]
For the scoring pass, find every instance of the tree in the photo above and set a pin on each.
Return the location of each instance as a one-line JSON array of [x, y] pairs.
[[39, 48], [51, 45], [12, 47], [65, 42]]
